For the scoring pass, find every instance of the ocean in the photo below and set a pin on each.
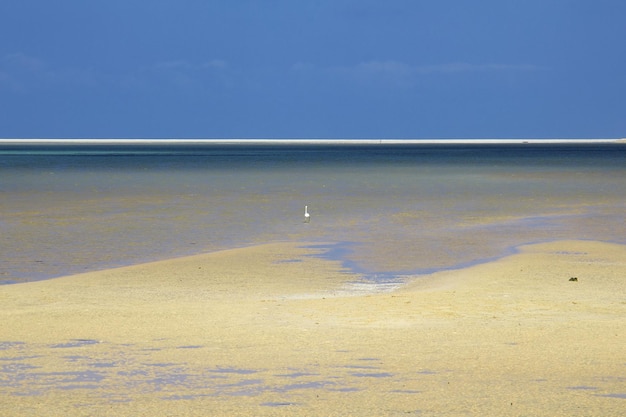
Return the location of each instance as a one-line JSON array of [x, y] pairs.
[[384, 209]]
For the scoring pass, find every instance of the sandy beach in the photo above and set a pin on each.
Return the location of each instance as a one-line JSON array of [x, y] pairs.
[[271, 330]]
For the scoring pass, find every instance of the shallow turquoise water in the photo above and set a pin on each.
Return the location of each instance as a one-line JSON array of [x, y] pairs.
[[397, 209]]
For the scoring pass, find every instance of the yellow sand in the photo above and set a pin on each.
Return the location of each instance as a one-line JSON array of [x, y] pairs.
[[268, 330]]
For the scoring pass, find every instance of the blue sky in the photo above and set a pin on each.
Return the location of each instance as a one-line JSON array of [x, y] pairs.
[[313, 69]]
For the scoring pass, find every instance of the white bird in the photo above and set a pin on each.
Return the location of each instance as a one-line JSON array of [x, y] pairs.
[[307, 216]]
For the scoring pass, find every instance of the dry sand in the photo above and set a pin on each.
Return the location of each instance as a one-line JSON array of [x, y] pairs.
[[268, 330]]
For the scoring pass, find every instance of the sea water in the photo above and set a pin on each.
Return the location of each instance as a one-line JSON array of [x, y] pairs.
[[383, 209]]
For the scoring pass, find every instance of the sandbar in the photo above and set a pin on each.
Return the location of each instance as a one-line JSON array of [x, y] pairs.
[[274, 330]]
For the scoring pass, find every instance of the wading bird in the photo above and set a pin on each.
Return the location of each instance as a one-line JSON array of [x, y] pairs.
[[307, 216]]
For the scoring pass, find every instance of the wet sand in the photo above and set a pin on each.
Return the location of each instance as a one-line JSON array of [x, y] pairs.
[[270, 330]]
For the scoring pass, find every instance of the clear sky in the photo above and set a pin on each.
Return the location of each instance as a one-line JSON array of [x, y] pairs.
[[313, 69]]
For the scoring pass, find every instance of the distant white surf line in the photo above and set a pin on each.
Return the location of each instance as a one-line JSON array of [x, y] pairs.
[[299, 141]]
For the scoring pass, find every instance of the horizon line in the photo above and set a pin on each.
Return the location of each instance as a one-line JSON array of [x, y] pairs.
[[262, 141]]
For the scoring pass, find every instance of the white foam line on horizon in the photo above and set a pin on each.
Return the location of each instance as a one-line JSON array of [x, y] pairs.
[[297, 141]]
